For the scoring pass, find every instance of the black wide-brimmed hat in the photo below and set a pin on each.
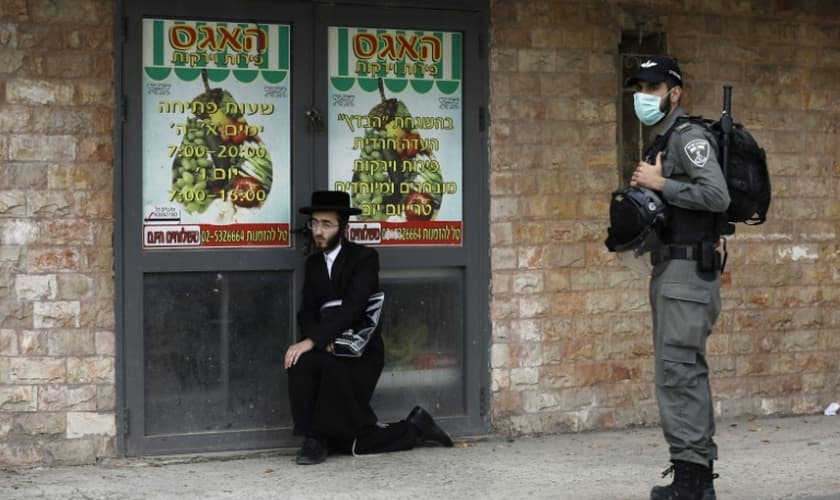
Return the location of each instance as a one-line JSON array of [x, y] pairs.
[[330, 201]]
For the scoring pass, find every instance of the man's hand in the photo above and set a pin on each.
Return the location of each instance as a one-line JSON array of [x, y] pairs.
[[296, 350], [649, 176]]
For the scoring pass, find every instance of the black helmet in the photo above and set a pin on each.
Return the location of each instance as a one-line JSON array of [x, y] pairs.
[[636, 216]]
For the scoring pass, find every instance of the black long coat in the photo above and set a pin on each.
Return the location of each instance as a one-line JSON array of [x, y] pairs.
[[330, 396]]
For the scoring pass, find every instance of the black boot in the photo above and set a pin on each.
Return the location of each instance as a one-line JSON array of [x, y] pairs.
[[687, 485], [707, 483]]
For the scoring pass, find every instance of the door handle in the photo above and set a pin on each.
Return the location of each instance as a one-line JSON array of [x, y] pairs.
[[316, 123]]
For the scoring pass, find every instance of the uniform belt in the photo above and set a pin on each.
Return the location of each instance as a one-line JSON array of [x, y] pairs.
[[670, 252]]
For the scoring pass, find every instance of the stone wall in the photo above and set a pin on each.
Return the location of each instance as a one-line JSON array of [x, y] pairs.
[[56, 223], [571, 336]]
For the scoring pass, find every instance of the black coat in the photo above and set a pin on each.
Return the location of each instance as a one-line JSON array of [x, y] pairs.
[[330, 395], [355, 277]]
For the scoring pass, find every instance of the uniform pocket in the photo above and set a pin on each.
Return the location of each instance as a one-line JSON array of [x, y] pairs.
[[678, 366], [686, 318]]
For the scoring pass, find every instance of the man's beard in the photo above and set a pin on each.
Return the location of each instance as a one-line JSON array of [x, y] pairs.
[[330, 244]]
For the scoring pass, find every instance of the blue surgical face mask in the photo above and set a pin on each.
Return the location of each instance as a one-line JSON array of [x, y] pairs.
[[648, 107]]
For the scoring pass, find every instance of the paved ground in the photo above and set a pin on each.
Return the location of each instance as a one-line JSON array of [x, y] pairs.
[[787, 458]]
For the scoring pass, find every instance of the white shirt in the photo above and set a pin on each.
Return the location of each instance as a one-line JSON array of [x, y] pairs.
[[330, 258]]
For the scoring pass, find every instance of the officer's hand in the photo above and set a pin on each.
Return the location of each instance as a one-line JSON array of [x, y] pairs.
[[296, 350], [649, 176], [330, 348]]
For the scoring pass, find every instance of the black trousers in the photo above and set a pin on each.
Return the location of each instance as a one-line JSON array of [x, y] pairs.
[[330, 399]]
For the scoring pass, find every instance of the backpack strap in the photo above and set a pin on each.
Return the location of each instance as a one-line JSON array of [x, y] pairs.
[[661, 141]]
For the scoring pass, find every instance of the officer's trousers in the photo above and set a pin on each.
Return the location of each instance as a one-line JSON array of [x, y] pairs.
[[685, 305]]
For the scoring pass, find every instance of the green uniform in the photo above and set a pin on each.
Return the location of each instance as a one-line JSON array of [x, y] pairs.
[[685, 301]]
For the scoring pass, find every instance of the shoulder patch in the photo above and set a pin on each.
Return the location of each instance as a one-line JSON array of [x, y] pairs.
[[697, 151]]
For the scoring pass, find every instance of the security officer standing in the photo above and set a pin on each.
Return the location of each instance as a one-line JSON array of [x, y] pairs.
[[682, 167]]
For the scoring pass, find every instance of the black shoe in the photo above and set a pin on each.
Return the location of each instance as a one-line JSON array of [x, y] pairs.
[[312, 452], [427, 429], [689, 482]]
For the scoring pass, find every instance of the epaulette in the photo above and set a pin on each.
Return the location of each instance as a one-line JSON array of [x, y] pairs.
[[682, 127], [684, 122]]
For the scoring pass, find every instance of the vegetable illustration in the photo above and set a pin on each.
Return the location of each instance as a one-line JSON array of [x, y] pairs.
[[398, 166], [221, 156]]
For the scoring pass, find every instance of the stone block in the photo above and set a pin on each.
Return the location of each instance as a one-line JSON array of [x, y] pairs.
[[506, 308], [521, 378], [26, 91], [33, 343], [534, 401], [525, 424], [501, 332], [71, 452], [11, 60], [37, 370], [69, 342], [537, 61], [526, 330], [12, 204], [8, 342], [104, 342], [42, 148], [18, 232], [511, 37], [527, 354], [57, 314], [8, 35], [555, 280], [98, 313], [18, 398], [5, 424], [66, 232], [503, 208], [59, 121], [5, 370], [528, 282], [79, 176], [96, 149], [50, 204], [71, 64], [503, 258], [534, 306], [90, 370], [566, 256], [106, 396], [500, 356], [45, 259], [557, 375], [501, 234], [35, 286], [81, 424], [66, 398], [507, 403], [529, 233], [23, 454], [38, 424], [74, 286], [499, 380], [531, 257], [99, 206], [568, 304]]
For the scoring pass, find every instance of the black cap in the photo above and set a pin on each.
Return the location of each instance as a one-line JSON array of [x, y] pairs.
[[330, 201], [656, 69]]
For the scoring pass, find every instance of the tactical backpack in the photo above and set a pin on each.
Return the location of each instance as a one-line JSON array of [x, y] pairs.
[[746, 173], [744, 165]]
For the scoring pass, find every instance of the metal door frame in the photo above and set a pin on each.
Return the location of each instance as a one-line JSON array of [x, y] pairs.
[[307, 19]]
